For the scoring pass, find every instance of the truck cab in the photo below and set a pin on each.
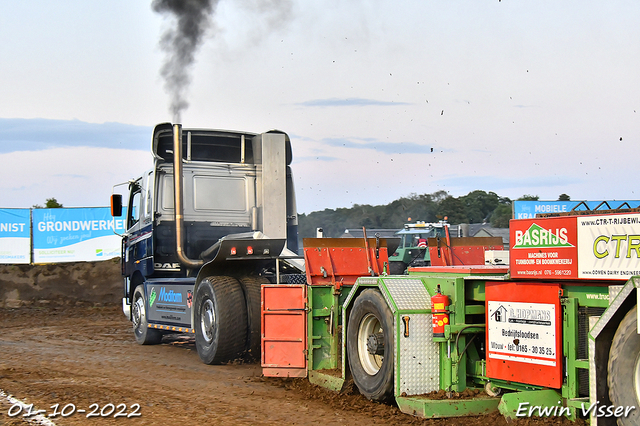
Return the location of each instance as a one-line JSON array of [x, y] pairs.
[[206, 186]]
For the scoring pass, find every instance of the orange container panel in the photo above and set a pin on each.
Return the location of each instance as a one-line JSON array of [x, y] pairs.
[[462, 251], [282, 297], [340, 261], [285, 355], [283, 325], [284, 330]]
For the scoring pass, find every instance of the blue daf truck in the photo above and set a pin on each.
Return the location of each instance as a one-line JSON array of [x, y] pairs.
[[213, 220]]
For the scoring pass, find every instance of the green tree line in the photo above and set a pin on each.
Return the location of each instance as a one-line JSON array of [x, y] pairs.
[[475, 207], [51, 203]]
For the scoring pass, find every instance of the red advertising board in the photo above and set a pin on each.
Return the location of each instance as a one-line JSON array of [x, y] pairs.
[[544, 248], [570, 247], [524, 333]]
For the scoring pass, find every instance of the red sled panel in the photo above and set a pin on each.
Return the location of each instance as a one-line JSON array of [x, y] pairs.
[[284, 330], [461, 250]]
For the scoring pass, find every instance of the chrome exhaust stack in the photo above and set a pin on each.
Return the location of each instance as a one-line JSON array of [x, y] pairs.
[[178, 200]]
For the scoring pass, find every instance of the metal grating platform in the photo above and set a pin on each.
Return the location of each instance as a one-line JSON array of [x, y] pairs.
[[408, 294], [419, 357]]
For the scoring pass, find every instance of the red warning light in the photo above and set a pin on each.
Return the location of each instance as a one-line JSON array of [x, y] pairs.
[[249, 250], [233, 251]]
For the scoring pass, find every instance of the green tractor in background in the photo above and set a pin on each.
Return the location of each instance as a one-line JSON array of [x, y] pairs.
[[413, 250]]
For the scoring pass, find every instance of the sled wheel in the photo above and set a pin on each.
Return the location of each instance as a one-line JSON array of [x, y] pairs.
[[370, 346]]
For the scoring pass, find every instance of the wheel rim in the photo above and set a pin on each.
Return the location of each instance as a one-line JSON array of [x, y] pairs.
[[207, 320], [138, 313], [369, 325]]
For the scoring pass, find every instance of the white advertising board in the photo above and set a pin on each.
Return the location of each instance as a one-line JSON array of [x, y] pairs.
[[523, 332], [609, 246], [15, 236], [75, 235]]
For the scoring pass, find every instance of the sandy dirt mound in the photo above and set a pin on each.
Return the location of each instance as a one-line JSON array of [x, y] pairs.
[[94, 283]]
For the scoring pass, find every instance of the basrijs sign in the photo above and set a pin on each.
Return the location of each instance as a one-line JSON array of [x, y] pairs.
[[537, 236], [543, 248]]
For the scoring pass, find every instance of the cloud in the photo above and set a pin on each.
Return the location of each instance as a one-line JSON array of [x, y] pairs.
[[349, 102], [75, 176], [385, 147], [19, 134]]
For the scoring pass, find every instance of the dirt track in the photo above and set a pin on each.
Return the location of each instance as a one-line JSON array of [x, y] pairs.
[[86, 355]]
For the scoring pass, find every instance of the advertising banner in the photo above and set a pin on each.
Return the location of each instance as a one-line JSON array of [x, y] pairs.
[[523, 332], [169, 303], [609, 246], [15, 236], [568, 247], [75, 235], [529, 209], [544, 248]]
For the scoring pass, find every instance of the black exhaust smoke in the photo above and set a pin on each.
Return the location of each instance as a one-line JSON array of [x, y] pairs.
[[193, 18]]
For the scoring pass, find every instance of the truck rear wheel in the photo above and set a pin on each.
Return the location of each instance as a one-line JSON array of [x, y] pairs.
[[252, 294], [220, 320], [144, 335], [624, 368], [370, 346]]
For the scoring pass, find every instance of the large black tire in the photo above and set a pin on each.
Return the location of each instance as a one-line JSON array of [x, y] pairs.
[[143, 334], [370, 327], [220, 320], [397, 268], [624, 368], [252, 293]]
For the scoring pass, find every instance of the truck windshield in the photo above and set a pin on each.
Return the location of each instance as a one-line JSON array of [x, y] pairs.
[[207, 147], [418, 238]]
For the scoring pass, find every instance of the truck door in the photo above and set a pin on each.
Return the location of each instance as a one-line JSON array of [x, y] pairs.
[[137, 241]]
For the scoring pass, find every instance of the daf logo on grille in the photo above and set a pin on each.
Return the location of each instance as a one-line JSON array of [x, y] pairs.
[[173, 266]]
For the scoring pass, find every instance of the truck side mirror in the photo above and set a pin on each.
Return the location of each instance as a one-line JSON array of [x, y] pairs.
[[116, 205]]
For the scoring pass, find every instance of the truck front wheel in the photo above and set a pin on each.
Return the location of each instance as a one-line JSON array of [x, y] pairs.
[[144, 335], [370, 346], [624, 368], [220, 320]]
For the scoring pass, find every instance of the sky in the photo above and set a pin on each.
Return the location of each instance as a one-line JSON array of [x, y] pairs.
[[382, 99]]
